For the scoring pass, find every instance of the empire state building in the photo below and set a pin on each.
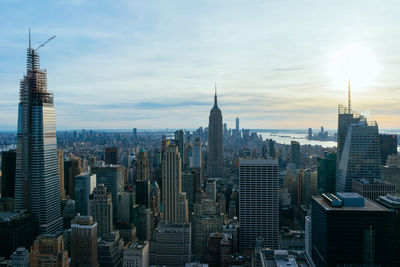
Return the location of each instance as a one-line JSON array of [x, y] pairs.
[[215, 142], [37, 178]]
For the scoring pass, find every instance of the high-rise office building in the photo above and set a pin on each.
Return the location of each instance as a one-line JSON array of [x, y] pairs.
[[37, 186], [83, 242], [48, 251], [69, 213], [372, 189], [112, 176], [237, 125], [172, 185], [8, 159], [211, 190], [392, 203], [271, 148], [182, 208], [348, 230], [295, 153], [258, 202], [142, 166], [134, 134], [61, 173], [155, 197], [143, 193], [111, 155], [360, 158], [215, 161], [84, 186], [197, 153], [203, 226], [72, 168], [170, 245], [346, 117], [101, 209], [142, 220], [326, 168], [126, 202], [16, 229], [308, 182], [180, 142], [388, 145], [109, 250]]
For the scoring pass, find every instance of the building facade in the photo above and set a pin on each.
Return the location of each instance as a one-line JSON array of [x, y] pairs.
[[349, 230], [83, 242], [101, 208], [360, 158], [258, 202], [37, 187], [112, 176], [84, 186], [215, 161]]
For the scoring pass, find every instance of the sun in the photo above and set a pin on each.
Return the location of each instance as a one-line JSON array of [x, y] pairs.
[[353, 62]]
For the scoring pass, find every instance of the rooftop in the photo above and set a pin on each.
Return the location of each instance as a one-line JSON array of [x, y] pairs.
[[257, 161], [368, 205]]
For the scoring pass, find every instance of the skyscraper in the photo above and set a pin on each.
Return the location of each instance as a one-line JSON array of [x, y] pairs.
[[388, 145], [72, 168], [345, 118], [215, 142], [111, 155], [180, 142], [101, 210], [8, 159], [327, 172], [37, 187], [348, 230], [211, 190], [142, 166], [172, 198], [61, 173], [84, 242], [258, 202], [360, 157], [84, 186], [197, 153], [170, 245], [237, 124], [112, 176], [295, 153]]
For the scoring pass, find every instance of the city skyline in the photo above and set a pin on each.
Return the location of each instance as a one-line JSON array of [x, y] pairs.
[[162, 60]]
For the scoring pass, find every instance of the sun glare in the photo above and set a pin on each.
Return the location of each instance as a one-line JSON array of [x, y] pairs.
[[355, 63]]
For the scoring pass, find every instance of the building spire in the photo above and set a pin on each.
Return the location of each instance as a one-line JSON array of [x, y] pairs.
[[30, 46], [349, 97], [215, 96]]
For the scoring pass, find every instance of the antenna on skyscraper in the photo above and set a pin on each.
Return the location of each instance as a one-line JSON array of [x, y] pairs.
[[349, 96]]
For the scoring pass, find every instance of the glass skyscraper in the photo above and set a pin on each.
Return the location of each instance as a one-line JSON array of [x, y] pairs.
[[360, 157], [37, 178]]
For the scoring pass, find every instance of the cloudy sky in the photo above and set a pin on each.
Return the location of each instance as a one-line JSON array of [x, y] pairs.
[[153, 64]]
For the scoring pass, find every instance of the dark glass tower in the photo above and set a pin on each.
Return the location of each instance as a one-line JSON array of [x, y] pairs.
[[37, 179], [215, 142], [8, 170]]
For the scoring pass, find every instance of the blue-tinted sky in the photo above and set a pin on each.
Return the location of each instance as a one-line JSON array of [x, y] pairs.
[[153, 64]]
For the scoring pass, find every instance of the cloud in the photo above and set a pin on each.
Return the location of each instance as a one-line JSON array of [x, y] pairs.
[[154, 63]]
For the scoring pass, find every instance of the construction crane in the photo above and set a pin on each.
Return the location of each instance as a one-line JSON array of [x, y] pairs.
[[40, 46]]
